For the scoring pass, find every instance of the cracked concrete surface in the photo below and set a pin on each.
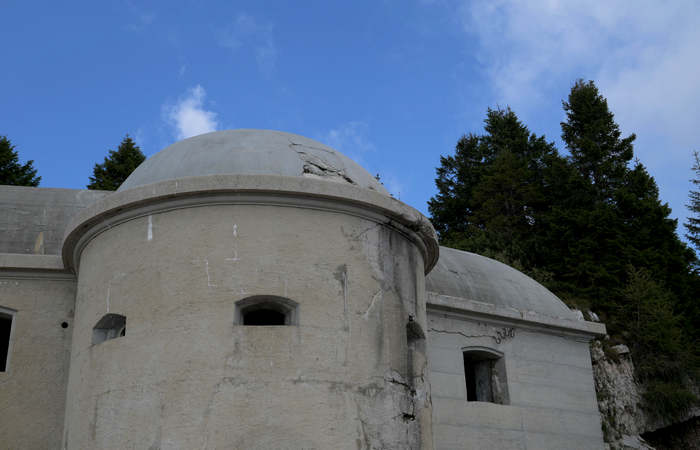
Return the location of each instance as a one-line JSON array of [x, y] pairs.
[[230, 215], [347, 368], [253, 152]]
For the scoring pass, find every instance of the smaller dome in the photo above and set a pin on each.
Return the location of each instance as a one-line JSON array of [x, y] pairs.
[[475, 277], [251, 152]]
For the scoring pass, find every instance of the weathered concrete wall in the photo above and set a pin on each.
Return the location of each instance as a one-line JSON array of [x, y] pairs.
[[33, 220], [32, 390], [550, 385], [185, 376]]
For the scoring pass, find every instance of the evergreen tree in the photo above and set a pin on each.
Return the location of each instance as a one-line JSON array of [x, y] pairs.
[[490, 192], [693, 222], [593, 138], [457, 177], [117, 166], [11, 171], [510, 201], [594, 263], [589, 227]]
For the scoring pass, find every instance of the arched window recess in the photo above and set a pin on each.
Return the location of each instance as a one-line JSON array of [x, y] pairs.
[[266, 310], [110, 326]]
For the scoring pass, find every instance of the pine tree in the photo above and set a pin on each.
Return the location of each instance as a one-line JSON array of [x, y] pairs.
[[458, 175], [509, 199], [589, 226], [117, 166], [593, 138], [11, 171], [490, 192], [693, 222]]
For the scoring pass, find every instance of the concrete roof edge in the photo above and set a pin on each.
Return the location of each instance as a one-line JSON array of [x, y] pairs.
[[9, 187], [459, 304], [251, 189], [17, 262]]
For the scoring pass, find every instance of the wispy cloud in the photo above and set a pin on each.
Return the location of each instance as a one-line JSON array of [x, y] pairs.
[[394, 185], [139, 137], [353, 140], [141, 17], [642, 55], [248, 32], [188, 116]]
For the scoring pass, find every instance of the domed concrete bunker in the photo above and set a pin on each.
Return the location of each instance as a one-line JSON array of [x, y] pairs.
[[256, 289], [267, 282]]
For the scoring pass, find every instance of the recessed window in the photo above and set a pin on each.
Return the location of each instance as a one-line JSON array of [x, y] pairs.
[[110, 326], [266, 310], [485, 375], [264, 317], [6, 318]]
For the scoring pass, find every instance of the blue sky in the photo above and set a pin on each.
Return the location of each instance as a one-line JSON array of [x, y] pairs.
[[392, 84]]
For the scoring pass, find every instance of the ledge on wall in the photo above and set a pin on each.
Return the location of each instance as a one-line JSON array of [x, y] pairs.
[[14, 265], [528, 318]]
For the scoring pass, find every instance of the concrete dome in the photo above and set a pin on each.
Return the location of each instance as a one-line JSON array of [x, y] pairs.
[[251, 152], [474, 277]]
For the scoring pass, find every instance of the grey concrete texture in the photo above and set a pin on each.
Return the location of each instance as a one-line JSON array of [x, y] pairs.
[[28, 264], [549, 379], [475, 277], [33, 389], [251, 189], [222, 217], [34, 220], [581, 329], [185, 376], [251, 152]]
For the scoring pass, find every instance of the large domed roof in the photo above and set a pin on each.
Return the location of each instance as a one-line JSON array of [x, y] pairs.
[[474, 277], [251, 152]]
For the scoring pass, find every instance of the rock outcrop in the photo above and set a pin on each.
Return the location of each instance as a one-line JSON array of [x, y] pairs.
[[624, 421]]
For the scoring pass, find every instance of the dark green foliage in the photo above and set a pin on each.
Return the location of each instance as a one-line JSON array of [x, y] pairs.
[[117, 166], [693, 222], [669, 400], [646, 320], [683, 435], [456, 178], [490, 193], [590, 227], [11, 171], [593, 138]]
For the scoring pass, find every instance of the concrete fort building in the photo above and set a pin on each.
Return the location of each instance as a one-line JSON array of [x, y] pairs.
[[259, 290]]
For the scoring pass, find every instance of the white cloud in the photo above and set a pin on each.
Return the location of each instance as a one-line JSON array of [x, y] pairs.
[[142, 18], [643, 56], [247, 32], [188, 116], [394, 185], [352, 139], [139, 137]]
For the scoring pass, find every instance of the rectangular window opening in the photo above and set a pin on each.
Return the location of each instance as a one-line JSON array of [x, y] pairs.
[[5, 329], [484, 375]]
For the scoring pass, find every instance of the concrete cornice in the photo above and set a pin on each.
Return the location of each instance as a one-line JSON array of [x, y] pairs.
[[463, 306], [298, 192], [18, 265]]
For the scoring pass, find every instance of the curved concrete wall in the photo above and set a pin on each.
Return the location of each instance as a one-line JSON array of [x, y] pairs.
[[184, 376]]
